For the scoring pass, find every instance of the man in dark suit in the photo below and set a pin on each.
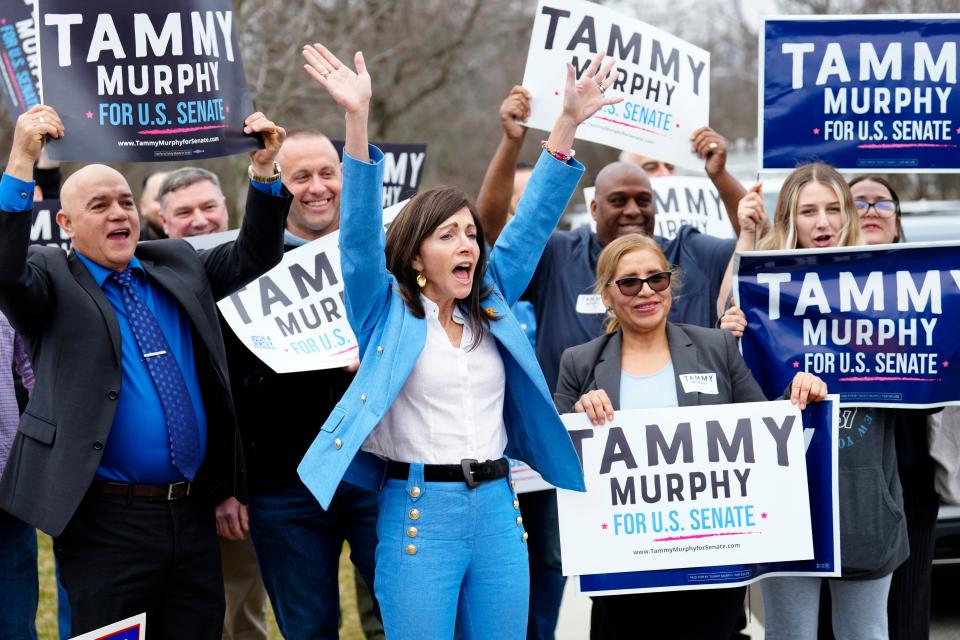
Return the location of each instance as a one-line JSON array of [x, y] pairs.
[[129, 439]]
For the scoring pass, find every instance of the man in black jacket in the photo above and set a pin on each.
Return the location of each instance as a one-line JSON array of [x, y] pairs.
[[129, 437], [298, 543]]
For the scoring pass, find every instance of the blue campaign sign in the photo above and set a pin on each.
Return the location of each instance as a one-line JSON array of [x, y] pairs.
[[876, 323], [19, 58], [820, 434], [860, 92]]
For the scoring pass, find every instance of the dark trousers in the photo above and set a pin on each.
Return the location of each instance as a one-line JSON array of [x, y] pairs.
[[122, 556], [702, 614], [539, 511], [908, 607]]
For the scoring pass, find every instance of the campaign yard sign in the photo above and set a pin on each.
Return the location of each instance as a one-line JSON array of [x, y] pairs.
[[863, 93], [819, 423], [293, 317], [20, 68], [665, 81], [877, 323], [687, 487], [142, 81]]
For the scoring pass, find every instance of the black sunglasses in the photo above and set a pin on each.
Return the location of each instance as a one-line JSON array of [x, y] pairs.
[[631, 286]]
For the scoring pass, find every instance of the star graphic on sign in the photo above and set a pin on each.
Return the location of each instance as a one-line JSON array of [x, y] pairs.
[[3, 21], [604, 526], [816, 131], [89, 115], [228, 108], [796, 364], [556, 93], [946, 364], [764, 515], [958, 129]]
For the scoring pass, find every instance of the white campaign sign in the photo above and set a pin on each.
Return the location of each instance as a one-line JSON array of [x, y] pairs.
[[665, 81], [293, 317], [687, 487], [684, 201]]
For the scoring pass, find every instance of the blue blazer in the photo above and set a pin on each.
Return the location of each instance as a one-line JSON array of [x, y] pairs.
[[391, 338]]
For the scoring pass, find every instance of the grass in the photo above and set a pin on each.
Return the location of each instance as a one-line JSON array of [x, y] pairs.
[[47, 611]]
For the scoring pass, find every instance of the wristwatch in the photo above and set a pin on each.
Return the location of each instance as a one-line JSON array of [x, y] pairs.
[[265, 179]]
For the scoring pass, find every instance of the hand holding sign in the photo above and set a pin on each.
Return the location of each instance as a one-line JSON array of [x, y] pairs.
[[710, 146], [596, 404], [273, 137], [805, 388], [32, 128], [516, 107], [752, 214]]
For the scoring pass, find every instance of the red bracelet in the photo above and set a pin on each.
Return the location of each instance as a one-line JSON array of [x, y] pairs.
[[559, 155]]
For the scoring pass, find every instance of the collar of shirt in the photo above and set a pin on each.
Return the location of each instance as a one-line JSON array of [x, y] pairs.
[[100, 273], [292, 240]]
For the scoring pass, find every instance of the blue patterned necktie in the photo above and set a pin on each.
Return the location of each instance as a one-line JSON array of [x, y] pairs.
[[178, 411]]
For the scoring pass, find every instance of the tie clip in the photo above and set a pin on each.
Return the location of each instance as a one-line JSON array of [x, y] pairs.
[[154, 354]]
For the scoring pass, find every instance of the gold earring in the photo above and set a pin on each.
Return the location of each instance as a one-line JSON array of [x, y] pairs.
[[421, 280]]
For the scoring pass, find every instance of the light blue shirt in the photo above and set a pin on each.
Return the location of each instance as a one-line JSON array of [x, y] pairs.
[[655, 391]]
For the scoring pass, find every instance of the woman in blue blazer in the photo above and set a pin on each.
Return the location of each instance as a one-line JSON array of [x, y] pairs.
[[448, 383]]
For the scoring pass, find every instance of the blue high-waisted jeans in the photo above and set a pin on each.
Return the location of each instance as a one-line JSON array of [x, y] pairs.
[[451, 553]]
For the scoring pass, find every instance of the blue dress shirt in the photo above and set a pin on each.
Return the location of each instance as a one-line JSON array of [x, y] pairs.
[[138, 450]]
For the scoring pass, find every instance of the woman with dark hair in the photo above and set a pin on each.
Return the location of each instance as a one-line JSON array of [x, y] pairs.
[[447, 380], [908, 607]]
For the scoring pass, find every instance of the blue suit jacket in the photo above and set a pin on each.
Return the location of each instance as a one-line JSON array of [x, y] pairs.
[[391, 338]]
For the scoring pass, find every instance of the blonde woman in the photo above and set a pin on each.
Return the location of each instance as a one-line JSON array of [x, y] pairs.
[[637, 364], [816, 209]]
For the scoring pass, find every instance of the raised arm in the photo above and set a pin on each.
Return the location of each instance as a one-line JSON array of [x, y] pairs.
[[362, 238], [712, 148], [259, 246], [23, 288], [518, 249], [752, 213], [493, 201]]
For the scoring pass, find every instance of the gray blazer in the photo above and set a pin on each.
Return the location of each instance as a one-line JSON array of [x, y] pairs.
[[596, 365]]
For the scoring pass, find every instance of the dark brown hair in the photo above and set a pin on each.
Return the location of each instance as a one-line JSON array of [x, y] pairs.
[[416, 221], [893, 196]]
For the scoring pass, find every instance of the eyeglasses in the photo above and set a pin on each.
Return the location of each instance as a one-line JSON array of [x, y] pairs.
[[631, 286], [884, 208]]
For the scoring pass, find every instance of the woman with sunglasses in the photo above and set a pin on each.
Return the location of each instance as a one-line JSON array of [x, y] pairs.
[[815, 209], [908, 606], [638, 364]]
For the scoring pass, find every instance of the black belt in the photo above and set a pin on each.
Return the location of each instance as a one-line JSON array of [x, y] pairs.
[[173, 491], [469, 471]]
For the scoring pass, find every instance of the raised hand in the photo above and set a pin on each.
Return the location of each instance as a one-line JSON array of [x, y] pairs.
[[273, 137], [582, 98], [515, 106], [28, 136], [712, 148], [752, 213], [350, 89]]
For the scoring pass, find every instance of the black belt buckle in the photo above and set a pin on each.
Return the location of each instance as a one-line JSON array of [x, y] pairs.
[[465, 465]]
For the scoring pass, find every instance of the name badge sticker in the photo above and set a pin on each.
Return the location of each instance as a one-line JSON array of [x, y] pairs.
[[699, 382], [590, 304]]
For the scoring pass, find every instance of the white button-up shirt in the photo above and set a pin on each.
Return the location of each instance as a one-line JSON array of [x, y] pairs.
[[451, 406]]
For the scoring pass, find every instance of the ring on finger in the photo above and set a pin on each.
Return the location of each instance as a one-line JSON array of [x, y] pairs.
[[42, 120], [712, 146], [601, 87]]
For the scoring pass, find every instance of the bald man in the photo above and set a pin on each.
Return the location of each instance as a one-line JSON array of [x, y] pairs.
[[298, 542], [129, 438], [569, 313]]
